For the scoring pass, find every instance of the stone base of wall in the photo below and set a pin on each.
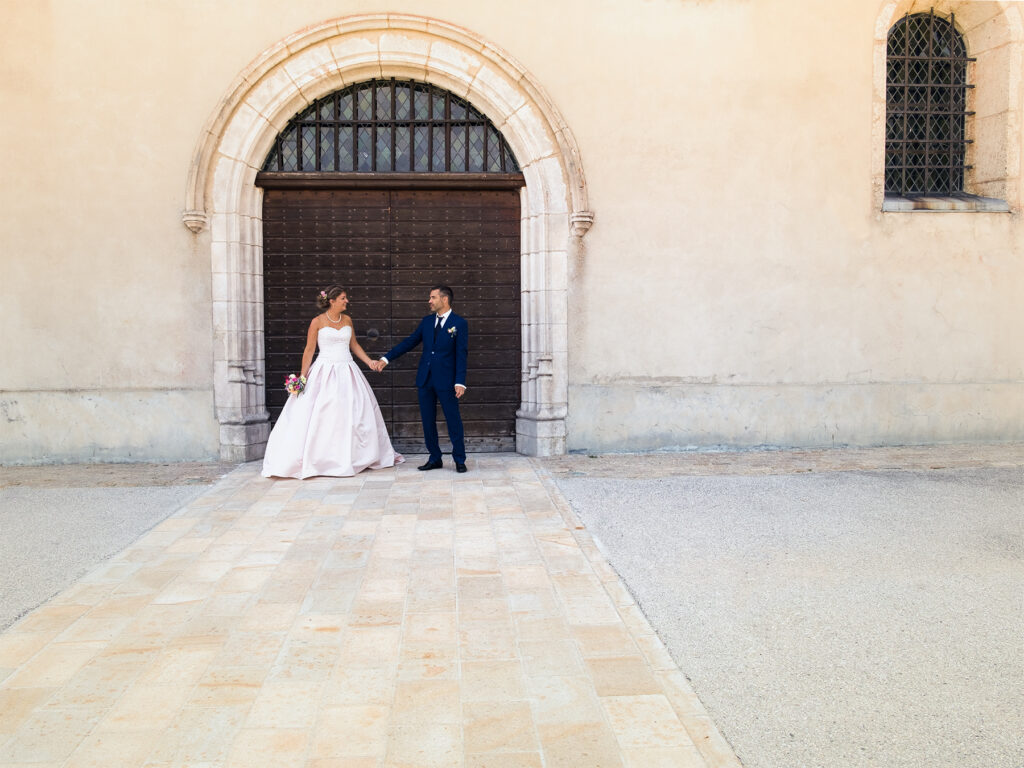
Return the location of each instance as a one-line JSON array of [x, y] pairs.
[[540, 437], [626, 418], [107, 425]]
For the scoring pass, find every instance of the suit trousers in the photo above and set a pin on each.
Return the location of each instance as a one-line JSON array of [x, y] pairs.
[[429, 396]]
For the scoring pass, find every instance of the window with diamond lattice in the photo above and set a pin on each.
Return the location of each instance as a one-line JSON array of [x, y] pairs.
[[390, 126], [926, 107]]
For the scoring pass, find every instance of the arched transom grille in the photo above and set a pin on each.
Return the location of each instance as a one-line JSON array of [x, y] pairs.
[[926, 107], [390, 126]]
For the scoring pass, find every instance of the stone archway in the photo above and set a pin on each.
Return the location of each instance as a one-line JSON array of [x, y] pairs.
[[222, 196]]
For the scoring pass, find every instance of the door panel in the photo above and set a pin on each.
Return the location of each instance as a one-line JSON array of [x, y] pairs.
[[388, 248]]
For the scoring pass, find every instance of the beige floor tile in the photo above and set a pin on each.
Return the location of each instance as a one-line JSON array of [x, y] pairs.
[[180, 664], [103, 750], [286, 705], [114, 606], [269, 748], [319, 629], [486, 641], [351, 731], [48, 736], [550, 658], [681, 695], [245, 578], [329, 601], [376, 613], [427, 602], [269, 617], [180, 591], [18, 647], [199, 736], [54, 665], [229, 604], [591, 611], [492, 681], [209, 570], [470, 587], [604, 640], [539, 602], [158, 623], [645, 721], [97, 685], [385, 589], [484, 609], [619, 594], [228, 687], [663, 757], [563, 700], [505, 760], [493, 726], [301, 661], [51, 618], [250, 649], [429, 665], [426, 701], [429, 745], [391, 619], [529, 627], [429, 630], [579, 745], [370, 646], [16, 705], [350, 685], [622, 676], [146, 707], [712, 745], [526, 577], [656, 653]]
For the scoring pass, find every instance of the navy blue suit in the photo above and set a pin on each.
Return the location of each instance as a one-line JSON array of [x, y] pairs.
[[442, 366]]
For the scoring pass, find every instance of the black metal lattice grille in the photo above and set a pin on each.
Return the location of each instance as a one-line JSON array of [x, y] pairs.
[[926, 107], [391, 126]]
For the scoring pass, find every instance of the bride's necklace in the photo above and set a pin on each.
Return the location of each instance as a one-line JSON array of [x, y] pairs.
[[328, 316]]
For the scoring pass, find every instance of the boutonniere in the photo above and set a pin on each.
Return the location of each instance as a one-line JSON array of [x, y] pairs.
[[452, 331]]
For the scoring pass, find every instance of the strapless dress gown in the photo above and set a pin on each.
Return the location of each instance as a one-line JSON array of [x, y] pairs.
[[335, 427]]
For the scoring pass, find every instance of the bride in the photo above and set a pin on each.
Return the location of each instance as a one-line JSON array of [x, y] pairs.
[[334, 427]]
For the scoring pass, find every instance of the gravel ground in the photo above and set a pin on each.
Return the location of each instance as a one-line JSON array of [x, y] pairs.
[[848, 619], [57, 523]]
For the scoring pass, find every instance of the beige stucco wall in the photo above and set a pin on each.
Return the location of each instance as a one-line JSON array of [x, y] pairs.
[[739, 285]]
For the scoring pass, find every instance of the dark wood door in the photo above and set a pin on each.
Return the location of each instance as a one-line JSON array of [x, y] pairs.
[[388, 247]]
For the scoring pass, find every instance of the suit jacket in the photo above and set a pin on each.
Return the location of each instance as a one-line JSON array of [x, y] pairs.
[[444, 358]]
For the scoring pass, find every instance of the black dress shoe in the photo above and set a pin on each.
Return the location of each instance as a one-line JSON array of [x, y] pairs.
[[460, 467], [430, 465]]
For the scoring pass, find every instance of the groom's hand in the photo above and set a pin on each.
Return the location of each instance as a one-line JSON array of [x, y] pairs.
[[459, 390]]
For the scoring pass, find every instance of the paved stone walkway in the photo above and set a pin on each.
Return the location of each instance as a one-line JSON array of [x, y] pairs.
[[398, 618]]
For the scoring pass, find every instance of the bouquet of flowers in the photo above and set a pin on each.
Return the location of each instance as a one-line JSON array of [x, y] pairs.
[[295, 384]]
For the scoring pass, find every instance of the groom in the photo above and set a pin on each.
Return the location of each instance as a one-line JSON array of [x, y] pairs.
[[441, 375]]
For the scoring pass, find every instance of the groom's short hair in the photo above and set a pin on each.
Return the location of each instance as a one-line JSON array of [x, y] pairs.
[[444, 290]]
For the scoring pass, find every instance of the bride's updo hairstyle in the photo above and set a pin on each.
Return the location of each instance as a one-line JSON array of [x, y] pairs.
[[324, 298]]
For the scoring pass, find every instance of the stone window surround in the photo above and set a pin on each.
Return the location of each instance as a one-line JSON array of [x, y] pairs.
[[318, 60], [995, 40]]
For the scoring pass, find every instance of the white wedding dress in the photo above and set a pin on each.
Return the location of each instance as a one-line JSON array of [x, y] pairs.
[[334, 427]]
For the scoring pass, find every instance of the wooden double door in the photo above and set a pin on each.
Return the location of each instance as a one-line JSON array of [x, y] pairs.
[[387, 248]]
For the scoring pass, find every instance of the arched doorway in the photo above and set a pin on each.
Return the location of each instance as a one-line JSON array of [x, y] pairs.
[[222, 199], [388, 187]]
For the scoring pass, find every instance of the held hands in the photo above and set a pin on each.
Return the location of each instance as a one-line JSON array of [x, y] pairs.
[[377, 365]]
